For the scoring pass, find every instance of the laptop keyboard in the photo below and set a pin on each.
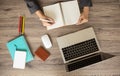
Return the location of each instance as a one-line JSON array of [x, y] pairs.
[[80, 49]]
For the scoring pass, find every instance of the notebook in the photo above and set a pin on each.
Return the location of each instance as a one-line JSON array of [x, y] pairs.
[[79, 49], [19, 59], [64, 13], [19, 43]]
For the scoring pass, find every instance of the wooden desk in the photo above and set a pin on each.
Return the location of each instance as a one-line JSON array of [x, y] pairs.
[[104, 17]]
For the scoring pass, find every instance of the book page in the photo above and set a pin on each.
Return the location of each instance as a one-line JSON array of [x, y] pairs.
[[71, 12], [54, 11]]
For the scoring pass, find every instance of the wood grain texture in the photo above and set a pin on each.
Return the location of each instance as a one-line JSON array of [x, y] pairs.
[[104, 17]]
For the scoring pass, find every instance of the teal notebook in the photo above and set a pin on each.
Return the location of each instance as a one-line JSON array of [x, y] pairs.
[[19, 43]]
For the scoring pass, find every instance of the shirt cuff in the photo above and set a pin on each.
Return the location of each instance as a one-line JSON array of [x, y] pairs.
[[32, 6], [84, 3]]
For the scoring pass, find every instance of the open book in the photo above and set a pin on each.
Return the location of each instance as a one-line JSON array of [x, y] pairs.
[[64, 13]]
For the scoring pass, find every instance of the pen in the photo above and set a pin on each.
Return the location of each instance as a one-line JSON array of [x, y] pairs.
[[45, 20], [23, 25], [19, 25]]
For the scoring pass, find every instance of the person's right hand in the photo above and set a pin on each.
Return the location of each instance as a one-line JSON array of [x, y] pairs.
[[49, 21], [46, 21]]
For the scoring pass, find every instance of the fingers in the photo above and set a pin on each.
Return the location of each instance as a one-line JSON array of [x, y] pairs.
[[52, 21], [79, 21], [83, 21], [46, 24], [47, 21]]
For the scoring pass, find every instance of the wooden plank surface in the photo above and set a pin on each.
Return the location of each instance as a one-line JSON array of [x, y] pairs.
[[104, 17]]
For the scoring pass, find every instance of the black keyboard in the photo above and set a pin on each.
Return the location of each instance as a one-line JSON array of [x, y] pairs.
[[82, 63], [80, 49]]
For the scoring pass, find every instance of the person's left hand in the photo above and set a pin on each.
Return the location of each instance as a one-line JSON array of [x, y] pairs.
[[81, 20]]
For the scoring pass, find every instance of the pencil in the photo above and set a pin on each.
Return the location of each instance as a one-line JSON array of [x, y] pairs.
[[19, 25]]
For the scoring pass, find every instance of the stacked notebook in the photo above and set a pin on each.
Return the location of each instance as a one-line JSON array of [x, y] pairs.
[[18, 49]]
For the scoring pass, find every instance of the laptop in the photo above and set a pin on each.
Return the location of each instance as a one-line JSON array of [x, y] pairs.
[[79, 49]]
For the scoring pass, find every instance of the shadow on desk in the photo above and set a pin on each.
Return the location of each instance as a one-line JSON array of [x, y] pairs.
[[106, 56]]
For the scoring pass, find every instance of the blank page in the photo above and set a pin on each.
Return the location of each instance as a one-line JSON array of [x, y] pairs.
[[71, 12], [54, 11]]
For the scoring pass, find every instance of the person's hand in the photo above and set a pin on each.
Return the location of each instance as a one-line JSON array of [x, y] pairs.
[[82, 20], [47, 21]]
